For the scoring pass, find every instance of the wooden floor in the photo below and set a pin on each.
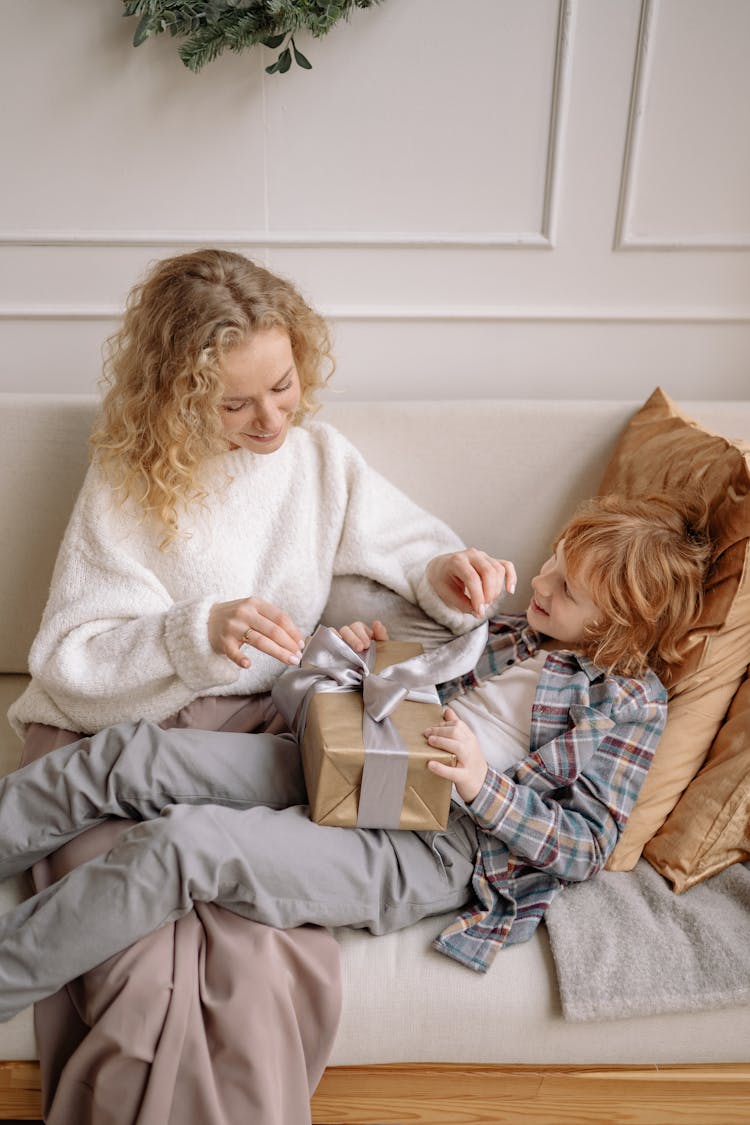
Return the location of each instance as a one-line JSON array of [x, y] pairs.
[[478, 1095], [484, 1095]]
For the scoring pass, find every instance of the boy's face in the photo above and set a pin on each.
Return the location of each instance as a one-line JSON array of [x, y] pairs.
[[560, 609]]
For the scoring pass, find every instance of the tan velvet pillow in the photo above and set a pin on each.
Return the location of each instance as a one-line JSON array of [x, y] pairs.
[[661, 448], [710, 827]]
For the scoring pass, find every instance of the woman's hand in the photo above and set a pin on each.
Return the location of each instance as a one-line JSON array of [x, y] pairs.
[[471, 766], [470, 580], [250, 621], [358, 635]]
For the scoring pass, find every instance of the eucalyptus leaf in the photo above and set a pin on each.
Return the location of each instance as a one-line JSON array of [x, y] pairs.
[[274, 41], [285, 60], [300, 59], [143, 31]]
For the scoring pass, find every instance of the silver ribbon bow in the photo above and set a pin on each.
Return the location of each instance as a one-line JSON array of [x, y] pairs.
[[329, 664]]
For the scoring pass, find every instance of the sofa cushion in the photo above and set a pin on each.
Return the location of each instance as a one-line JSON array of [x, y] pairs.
[[663, 449], [709, 829], [17, 1039], [402, 1001]]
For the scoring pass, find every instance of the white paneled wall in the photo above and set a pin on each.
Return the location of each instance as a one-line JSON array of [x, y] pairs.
[[493, 198]]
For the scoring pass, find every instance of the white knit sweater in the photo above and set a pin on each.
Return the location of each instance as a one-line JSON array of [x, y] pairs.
[[125, 631]]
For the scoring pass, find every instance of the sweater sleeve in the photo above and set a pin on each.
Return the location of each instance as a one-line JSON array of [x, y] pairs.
[[390, 539], [113, 645]]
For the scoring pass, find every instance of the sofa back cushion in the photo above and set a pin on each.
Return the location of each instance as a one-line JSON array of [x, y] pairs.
[[43, 459], [505, 473]]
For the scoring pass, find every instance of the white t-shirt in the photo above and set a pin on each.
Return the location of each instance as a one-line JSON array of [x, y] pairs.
[[498, 712]]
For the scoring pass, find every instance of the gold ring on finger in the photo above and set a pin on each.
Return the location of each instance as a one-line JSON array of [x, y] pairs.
[[246, 636]]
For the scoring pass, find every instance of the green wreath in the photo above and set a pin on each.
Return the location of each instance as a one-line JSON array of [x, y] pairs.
[[209, 27]]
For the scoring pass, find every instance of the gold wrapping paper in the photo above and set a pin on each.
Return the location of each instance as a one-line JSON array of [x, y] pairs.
[[333, 754]]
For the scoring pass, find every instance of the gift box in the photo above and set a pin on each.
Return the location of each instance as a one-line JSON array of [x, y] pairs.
[[333, 755]]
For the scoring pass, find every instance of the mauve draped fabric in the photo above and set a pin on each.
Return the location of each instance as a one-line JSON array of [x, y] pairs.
[[211, 1020]]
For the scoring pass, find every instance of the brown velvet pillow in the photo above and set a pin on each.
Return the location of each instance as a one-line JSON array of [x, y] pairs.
[[662, 449], [710, 827]]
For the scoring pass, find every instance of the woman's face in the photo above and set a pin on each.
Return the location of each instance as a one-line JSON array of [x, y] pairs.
[[261, 391]]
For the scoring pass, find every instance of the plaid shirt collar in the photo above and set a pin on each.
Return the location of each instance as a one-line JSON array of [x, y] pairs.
[[511, 640]]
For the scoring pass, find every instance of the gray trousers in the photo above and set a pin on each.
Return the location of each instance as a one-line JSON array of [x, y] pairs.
[[223, 820]]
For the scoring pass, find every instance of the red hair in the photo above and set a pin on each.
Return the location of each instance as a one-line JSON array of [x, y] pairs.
[[643, 562]]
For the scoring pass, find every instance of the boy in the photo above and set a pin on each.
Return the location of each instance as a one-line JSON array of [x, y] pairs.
[[553, 733]]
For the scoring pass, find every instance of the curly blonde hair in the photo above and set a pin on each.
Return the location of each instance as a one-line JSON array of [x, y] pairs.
[[160, 420], [643, 562]]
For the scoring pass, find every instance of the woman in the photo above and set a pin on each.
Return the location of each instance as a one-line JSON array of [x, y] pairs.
[[200, 552]]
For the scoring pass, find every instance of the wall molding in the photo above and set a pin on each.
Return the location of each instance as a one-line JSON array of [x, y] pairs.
[[624, 237], [377, 313], [543, 239], [561, 83], [339, 240]]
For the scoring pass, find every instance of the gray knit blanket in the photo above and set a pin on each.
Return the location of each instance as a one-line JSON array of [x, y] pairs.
[[625, 945]]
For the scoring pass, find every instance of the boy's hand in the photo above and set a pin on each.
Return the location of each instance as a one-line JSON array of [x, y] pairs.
[[471, 767], [358, 635], [470, 580]]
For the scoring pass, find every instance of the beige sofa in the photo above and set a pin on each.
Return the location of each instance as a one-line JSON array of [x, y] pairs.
[[421, 1038]]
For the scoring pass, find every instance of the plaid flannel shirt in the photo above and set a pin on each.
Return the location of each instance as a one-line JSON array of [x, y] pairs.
[[554, 817]]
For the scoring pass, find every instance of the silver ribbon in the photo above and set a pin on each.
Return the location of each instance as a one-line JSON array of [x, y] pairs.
[[329, 664]]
